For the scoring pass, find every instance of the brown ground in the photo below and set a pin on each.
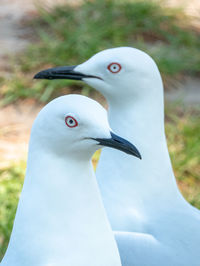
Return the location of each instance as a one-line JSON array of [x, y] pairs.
[[15, 126]]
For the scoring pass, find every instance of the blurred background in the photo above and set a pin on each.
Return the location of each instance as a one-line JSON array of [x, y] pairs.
[[36, 35]]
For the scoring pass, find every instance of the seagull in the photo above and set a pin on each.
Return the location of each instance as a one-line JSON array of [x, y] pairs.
[[153, 223], [60, 220]]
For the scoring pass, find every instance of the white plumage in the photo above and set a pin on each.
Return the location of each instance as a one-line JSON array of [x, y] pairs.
[[60, 219], [153, 223]]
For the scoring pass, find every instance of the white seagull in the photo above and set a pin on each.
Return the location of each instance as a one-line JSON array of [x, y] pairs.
[[60, 219], [154, 224]]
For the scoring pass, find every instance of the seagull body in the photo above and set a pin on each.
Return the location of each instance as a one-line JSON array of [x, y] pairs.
[[60, 219], [153, 223]]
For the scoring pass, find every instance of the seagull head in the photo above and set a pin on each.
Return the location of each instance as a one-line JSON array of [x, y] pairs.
[[77, 126], [117, 73]]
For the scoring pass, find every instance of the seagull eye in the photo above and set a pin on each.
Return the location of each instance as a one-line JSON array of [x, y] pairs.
[[71, 121], [114, 67]]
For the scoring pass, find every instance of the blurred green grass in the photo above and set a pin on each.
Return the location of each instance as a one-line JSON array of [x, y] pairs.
[[183, 136], [183, 131], [70, 34], [11, 180]]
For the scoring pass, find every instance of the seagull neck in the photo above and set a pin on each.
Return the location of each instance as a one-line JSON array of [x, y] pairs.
[[60, 218], [134, 189], [141, 121], [138, 118]]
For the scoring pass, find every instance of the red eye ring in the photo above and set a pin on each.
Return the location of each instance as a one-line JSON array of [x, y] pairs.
[[114, 67], [70, 121]]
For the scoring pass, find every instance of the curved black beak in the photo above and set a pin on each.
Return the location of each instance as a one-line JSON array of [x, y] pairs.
[[64, 72], [119, 143]]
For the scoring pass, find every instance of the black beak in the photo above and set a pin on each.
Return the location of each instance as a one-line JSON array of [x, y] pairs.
[[119, 143], [64, 72]]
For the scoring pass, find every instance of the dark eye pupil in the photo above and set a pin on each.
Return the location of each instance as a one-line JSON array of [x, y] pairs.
[[71, 121]]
